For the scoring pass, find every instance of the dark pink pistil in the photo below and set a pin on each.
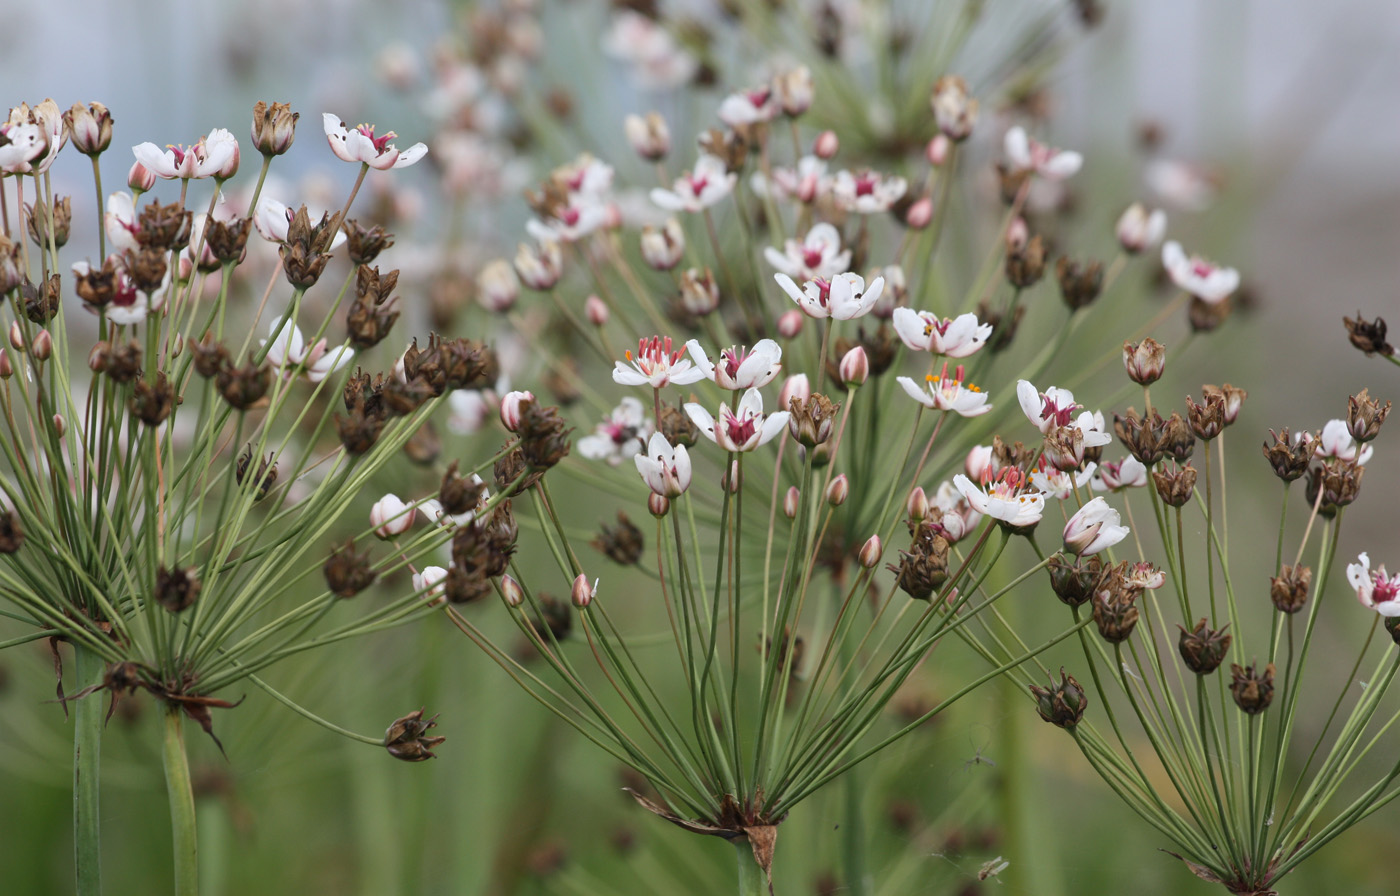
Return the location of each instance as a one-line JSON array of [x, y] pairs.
[[811, 257], [1061, 415], [865, 185]]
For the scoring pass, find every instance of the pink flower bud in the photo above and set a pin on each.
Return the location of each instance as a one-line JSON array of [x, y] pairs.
[[390, 516], [917, 504], [790, 501], [596, 310], [582, 593], [826, 145], [511, 592], [230, 168], [97, 358], [978, 461], [511, 408], [7, 369], [497, 287], [919, 214], [730, 480], [870, 552], [796, 386], [1017, 234], [430, 581], [658, 505], [854, 368], [838, 490], [60, 426], [790, 323], [16, 336], [937, 150], [140, 179], [43, 345]]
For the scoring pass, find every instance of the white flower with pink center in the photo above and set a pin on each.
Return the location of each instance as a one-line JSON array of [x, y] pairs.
[[740, 367], [742, 428], [655, 364], [1203, 279], [867, 192], [1139, 229], [955, 514], [843, 297], [1094, 528], [621, 434], [1046, 410], [205, 158], [1008, 497], [664, 469], [747, 107], [1026, 154], [698, 189], [1336, 441], [361, 144], [1376, 590], [1112, 477], [806, 183], [947, 393], [1059, 484], [819, 254], [955, 337], [571, 223], [273, 219], [658, 60]]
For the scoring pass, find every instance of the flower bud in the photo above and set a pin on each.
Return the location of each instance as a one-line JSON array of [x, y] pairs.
[[497, 287], [512, 406], [511, 592], [16, 336], [650, 137], [699, 291], [97, 358], [870, 552], [953, 109], [7, 369], [390, 516], [582, 593], [596, 310], [540, 268], [664, 246], [658, 505], [230, 167], [1364, 416], [140, 179], [790, 323], [855, 367], [917, 504], [1144, 361], [838, 490], [91, 127], [1061, 704], [1074, 583], [60, 426], [794, 89], [730, 480], [1138, 230], [790, 501], [274, 127], [919, 214], [43, 345], [979, 459], [1252, 689], [795, 386], [431, 582], [937, 150], [826, 145]]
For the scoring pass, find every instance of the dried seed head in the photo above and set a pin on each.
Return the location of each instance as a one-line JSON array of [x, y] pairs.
[[40, 231], [1144, 437], [407, 738], [163, 227], [1207, 420], [954, 109], [359, 430], [1114, 611], [1062, 703], [1252, 689], [1079, 284], [123, 363], [365, 243], [41, 302], [152, 400], [1076, 582], [675, 424], [1289, 456], [1368, 337], [1175, 486], [1339, 482], [243, 387], [1203, 649], [176, 589], [1289, 589], [1365, 416], [90, 127], [1231, 399], [307, 247], [1025, 262], [263, 479], [810, 422], [1206, 316], [1178, 441], [11, 535], [460, 494], [1144, 361], [622, 543], [274, 127], [923, 569]]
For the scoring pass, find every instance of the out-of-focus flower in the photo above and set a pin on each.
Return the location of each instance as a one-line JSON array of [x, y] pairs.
[[1129, 473], [497, 286], [1376, 590], [806, 183], [1335, 440], [1181, 184], [740, 367], [746, 107], [52, 133], [359, 144], [1008, 497], [867, 192], [288, 351], [1060, 484], [664, 246], [650, 137], [120, 222], [656, 364], [1094, 528], [819, 254], [953, 513], [1205, 280], [540, 268], [794, 90], [739, 429], [953, 109], [431, 581], [1026, 154], [664, 469], [207, 158], [658, 61], [1139, 230], [512, 404], [926, 332], [390, 516], [699, 189], [621, 434], [843, 297], [948, 393]]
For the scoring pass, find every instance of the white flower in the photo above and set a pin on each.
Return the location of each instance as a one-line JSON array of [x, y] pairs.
[[273, 219], [540, 268], [656, 364], [570, 223], [430, 581], [23, 143], [867, 192], [739, 429], [1202, 279], [740, 367], [621, 434], [390, 516], [1376, 590], [699, 189], [1008, 497], [1112, 477], [956, 515], [819, 254], [1046, 410], [206, 158], [926, 332], [748, 107], [288, 351], [1181, 184], [469, 409], [948, 394], [843, 297], [664, 469], [120, 222], [1138, 230], [1059, 484], [1025, 154], [1336, 441], [359, 144], [658, 61], [1094, 528], [664, 246], [806, 183]]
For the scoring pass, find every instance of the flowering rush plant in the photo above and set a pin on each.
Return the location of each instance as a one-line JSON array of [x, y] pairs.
[[175, 460]]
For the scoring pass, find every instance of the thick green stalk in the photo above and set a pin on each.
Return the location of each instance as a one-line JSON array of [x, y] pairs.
[[87, 774], [751, 881], [182, 818]]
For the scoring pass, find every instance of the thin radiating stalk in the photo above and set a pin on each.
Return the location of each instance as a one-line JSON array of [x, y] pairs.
[[182, 817], [87, 775]]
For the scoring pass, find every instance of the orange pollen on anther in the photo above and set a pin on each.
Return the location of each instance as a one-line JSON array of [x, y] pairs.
[[628, 354]]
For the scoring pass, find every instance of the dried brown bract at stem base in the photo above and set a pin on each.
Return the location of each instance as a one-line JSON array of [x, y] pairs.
[[176, 589], [622, 543], [1079, 283], [1252, 689], [407, 738], [243, 387], [1063, 703], [1289, 455], [264, 478], [810, 422], [347, 572], [1175, 486], [1339, 482], [152, 400], [1203, 649], [1368, 337], [1076, 582], [365, 243], [1289, 589], [1365, 416]]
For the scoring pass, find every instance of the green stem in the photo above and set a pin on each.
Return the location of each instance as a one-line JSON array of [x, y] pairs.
[[751, 881], [87, 774], [182, 819], [853, 835]]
